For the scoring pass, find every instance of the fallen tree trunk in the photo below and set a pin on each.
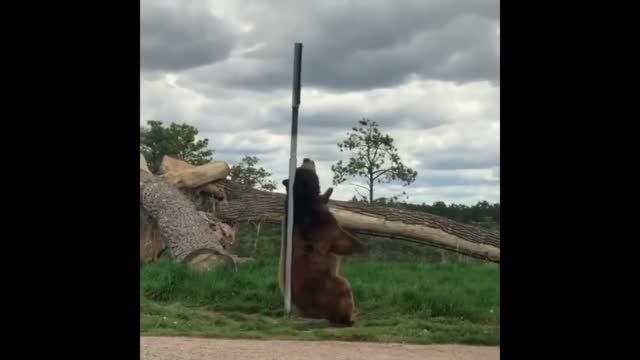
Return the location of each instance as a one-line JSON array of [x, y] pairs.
[[187, 233], [185, 175], [245, 203]]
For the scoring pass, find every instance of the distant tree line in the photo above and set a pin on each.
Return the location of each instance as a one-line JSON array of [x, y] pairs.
[[483, 213]]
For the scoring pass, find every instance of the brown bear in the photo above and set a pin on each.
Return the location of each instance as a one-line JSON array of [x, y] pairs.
[[317, 289]]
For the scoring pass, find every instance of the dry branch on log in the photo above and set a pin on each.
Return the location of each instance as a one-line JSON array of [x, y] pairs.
[[250, 204], [227, 233]]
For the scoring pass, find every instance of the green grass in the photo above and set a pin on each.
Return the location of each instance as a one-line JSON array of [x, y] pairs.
[[398, 301], [404, 292]]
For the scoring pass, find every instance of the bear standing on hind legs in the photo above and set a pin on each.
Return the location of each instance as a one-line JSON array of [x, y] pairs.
[[317, 289]]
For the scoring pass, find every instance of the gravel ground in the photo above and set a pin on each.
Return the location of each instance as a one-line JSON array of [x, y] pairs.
[[178, 348]]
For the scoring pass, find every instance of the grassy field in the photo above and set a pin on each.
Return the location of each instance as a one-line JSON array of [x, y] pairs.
[[404, 293]]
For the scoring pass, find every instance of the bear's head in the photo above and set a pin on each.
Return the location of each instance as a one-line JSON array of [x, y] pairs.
[[306, 187], [310, 210]]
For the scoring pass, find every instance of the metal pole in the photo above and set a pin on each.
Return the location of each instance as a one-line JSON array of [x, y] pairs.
[[297, 60]]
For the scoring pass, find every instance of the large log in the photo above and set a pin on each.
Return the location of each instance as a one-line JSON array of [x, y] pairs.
[[251, 204], [185, 175], [171, 164], [187, 233], [176, 170]]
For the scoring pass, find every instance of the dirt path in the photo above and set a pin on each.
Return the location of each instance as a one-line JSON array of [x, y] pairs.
[[174, 348]]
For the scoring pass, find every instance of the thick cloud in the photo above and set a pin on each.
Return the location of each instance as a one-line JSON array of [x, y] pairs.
[[178, 35], [427, 71], [464, 159], [227, 112], [363, 45]]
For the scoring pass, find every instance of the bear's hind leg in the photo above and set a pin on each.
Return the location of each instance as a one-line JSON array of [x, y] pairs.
[[341, 313]]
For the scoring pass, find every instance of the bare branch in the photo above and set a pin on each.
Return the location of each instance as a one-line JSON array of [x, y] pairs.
[[361, 186], [358, 192]]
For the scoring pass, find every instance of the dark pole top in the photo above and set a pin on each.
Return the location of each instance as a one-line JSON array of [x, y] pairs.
[[297, 71]]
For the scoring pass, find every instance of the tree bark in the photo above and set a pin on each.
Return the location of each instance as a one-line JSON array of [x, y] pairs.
[[187, 233], [245, 203], [371, 189], [152, 244]]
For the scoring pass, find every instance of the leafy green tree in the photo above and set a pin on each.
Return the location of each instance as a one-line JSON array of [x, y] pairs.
[[247, 173], [372, 157], [177, 140]]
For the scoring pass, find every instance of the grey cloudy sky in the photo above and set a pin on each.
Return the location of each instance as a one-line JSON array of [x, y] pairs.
[[427, 71]]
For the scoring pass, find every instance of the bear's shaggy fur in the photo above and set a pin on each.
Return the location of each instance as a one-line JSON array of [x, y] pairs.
[[308, 203], [317, 289]]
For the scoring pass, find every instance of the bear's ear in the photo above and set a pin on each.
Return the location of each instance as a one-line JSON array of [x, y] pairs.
[[327, 194], [345, 244]]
